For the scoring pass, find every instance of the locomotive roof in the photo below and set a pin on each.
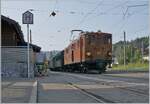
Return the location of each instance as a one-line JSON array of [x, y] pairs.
[[58, 54], [87, 33]]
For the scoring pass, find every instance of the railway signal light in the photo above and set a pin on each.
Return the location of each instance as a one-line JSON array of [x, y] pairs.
[[53, 14]]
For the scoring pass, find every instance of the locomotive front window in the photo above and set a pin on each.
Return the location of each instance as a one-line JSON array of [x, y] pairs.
[[107, 40], [89, 39]]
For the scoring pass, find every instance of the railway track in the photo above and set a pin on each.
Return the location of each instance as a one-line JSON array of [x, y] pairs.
[[127, 88], [122, 85], [135, 91], [98, 98], [103, 90], [101, 99]]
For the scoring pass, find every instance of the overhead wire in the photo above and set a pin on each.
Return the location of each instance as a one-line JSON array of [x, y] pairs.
[[100, 3], [84, 18], [129, 15], [108, 10], [115, 7], [127, 19], [133, 6], [111, 9]]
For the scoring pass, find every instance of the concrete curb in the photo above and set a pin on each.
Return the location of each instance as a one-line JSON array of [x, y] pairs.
[[33, 97], [125, 76], [125, 71]]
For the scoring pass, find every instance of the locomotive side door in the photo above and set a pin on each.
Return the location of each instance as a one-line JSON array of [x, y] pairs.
[[72, 56], [81, 49]]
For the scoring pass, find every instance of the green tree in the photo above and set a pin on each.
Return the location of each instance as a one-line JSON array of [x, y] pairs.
[[133, 50]]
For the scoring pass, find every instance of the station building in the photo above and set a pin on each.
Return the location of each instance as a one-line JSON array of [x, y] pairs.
[[14, 50]]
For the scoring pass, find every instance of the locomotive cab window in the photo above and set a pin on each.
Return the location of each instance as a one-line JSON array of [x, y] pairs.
[[91, 39], [107, 40]]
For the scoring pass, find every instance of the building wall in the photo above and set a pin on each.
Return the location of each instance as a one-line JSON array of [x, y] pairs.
[[14, 62]]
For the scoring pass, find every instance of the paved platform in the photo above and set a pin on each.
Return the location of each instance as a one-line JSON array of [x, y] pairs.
[[19, 90]]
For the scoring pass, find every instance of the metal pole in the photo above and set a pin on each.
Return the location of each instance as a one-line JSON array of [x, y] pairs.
[[124, 48], [28, 51], [131, 54], [142, 51], [30, 37]]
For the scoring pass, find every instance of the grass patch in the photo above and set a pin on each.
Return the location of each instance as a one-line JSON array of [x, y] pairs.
[[132, 66]]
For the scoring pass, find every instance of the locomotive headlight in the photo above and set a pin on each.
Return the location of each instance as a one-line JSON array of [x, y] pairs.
[[88, 53], [109, 53]]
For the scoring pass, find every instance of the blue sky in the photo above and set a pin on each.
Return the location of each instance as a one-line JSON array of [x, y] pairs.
[[53, 33]]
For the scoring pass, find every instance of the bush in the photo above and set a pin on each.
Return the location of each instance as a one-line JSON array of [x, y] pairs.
[[132, 66]]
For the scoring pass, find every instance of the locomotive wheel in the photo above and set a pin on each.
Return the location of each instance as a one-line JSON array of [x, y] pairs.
[[103, 70], [100, 72], [72, 70], [81, 71], [85, 70]]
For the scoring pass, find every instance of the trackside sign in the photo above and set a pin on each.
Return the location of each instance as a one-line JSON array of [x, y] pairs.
[[27, 18]]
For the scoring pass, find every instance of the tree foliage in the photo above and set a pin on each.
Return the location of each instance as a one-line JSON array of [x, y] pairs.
[[133, 50]]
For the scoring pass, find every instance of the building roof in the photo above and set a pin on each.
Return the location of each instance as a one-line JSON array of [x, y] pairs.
[[34, 47], [16, 26]]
